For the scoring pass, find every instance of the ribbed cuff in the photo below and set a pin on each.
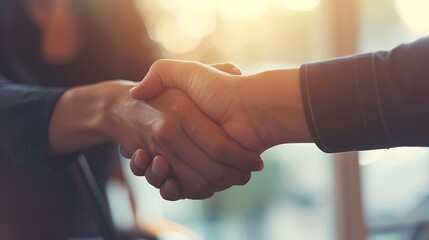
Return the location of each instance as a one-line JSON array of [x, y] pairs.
[[342, 104]]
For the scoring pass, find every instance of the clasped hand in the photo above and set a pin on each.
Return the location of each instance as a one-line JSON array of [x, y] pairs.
[[257, 112], [217, 95], [193, 157]]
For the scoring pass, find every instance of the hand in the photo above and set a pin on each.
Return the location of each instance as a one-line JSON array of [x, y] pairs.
[[157, 171], [257, 111], [172, 126], [216, 92], [169, 125]]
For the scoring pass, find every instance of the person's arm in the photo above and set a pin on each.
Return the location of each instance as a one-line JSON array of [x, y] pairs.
[[369, 101], [258, 111], [88, 115], [24, 121]]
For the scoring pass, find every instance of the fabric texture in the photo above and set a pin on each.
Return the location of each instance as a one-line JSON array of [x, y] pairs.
[[369, 101]]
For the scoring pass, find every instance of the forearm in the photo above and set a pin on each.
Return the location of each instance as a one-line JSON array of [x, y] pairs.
[[274, 104], [25, 112], [369, 101]]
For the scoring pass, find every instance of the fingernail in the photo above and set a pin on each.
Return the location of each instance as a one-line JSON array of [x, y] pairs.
[[138, 161], [156, 168]]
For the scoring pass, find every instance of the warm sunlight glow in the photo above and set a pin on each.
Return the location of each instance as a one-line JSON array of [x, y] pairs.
[[197, 26], [242, 9], [229, 44], [300, 5], [197, 18], [172, 6], [414, 13], [236, 29], [174, 40]]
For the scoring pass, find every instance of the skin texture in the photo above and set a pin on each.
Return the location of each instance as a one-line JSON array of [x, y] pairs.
[[170, 125], [257, 111]]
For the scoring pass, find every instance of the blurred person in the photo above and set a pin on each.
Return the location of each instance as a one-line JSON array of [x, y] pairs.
[[361, 102], [58, 98]]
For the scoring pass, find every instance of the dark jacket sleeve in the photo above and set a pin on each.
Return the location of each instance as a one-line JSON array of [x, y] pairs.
[[25, 113], [369, 101]]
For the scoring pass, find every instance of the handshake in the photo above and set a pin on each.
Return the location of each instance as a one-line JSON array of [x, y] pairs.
[[193, 129], [205, 126]]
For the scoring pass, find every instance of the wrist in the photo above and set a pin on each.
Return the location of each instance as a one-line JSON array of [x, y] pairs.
[[80, 118], [273, 103], [113, 99]]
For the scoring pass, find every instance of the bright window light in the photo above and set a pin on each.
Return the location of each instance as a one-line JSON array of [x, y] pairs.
[[414, 13]]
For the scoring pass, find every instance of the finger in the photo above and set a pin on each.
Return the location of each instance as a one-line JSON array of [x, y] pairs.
[[213, 157], [124, 152], [187, 177], [153, 83], [157, 172], [220, 148], [140, 161], [230, 68], [173, 190], [191, 180], [170, 190], [208, 174], [169, 74]]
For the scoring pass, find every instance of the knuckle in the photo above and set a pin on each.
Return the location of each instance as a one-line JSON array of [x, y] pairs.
[[179, 106], [162, 132]]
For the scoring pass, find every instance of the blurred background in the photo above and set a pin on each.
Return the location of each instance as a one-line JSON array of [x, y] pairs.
[[302, 193]]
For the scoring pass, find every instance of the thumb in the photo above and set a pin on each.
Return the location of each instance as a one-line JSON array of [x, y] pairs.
[[167, 73], [152, 84]]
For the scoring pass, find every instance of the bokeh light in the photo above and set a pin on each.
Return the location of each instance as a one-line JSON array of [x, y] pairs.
[[414, 13], [171, 6], [174, 40], [197, 18], [300, 5], [237, 41], [243, 9], [229, 29]]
